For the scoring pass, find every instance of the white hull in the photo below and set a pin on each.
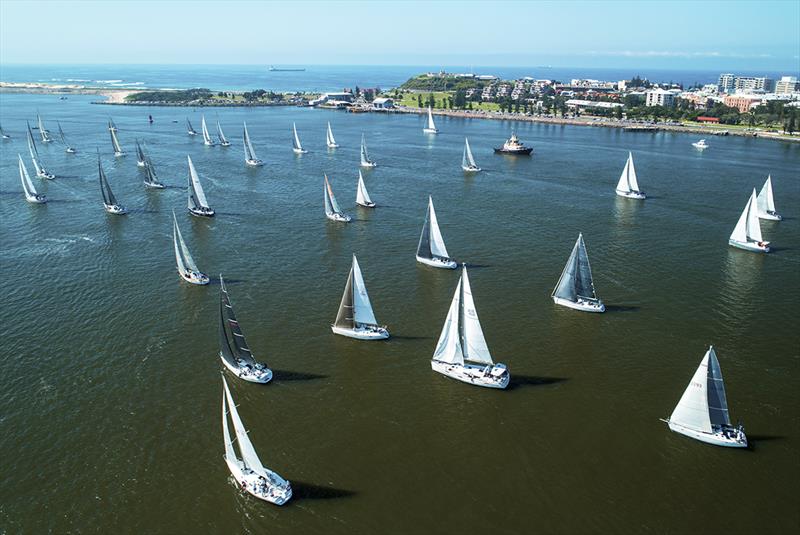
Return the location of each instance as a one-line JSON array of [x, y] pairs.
[[771, 216], [200, 212], [379, 333], [35, 199], [192, 133], [225, 144], [431, 130], [115, 209], [585, 306], [299, 151], [154, 185], [141, 164], [339, 218], [333, 145], [632, 194], [366, 204], [261, 378], [731, 439], [438, 262], [118, 154], [200, 279], [699, 146], [762, 247], [467, 169], [70, 151], [48, 176], [249, 481], [369, 165], [473, 374], [208, 143], [254, 163]]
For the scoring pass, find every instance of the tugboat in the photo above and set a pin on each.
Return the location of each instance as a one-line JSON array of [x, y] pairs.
[[514, 147]]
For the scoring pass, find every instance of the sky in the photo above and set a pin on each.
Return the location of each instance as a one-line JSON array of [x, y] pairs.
[[751, 35]]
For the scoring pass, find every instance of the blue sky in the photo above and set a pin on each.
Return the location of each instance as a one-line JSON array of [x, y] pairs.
[[692, 34]]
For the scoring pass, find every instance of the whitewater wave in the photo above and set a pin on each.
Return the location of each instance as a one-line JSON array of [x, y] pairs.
[[108, 81]]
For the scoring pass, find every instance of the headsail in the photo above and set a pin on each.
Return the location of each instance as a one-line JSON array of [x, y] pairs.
[[43, 131], [249, 455], [627, 180], [62, 136], [364, 154], [331, 206], [363, 313], [222, 139], [189, 128], [692, 410], [431, 242], [150, 176], [232, 331], [108, 196], [296, 139], [362, 197], [576, 278], [765, 200], [753, 225], [206, 137], [40, 170], [182, 256], [114, 141], [27, 184], [141, 159], [467, 160], [329, 139], [473, 343], [197, 197], [249, 152], [448, 348]]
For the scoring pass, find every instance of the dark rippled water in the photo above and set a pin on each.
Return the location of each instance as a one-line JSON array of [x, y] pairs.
[[110, 388]]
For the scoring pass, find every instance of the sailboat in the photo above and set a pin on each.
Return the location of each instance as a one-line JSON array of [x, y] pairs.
[[296, 146], [187, 269], [27, 186], [109, 200], [467, 161], [431, 249], [628, 185], [253, 477], [362, 197], [206, 137], [69, 148], [189, 128], [766, 202], [150, 177], [355, 317], [430, 128], [198, 204], [3, 134], [700, 145], [112, 129], [365, 161], [747, 233], [41, 172], [250, 157], [332, 210], [702, 412], [329, 140], [461, 352], [141, 159], [43, 131], [575, 288], [233, 350], [223, 141]]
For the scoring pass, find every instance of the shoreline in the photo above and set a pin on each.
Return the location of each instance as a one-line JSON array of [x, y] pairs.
[[117, 96]]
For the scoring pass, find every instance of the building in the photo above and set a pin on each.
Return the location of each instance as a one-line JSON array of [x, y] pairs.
[[704, 119], [749, 84], [726, 83], [743, 103], [786, 85], [589, 104], [383, 103], [659, 97]]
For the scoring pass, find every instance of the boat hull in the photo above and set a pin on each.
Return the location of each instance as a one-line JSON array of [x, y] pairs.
[[36, 199], [115, 209], [520, 152], [225, 144], [699, 147], [438, 262], [584, 306], [339, 218], [208, 212], [756, 247], [299, 151], [380, 333], [431, 130], [731, 440], [632, 194], [254, 163], [369, 165], [771, 216], [48, 176], [263, 378], [154, 185], [119, 154], [333, 145], [366, 204], [209, 143], [474, 375], [140, 164], [249, 482], [471, 169], [70, 151], [200, 279]]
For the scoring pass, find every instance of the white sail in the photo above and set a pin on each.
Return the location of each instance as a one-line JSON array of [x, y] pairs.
[[448, 348], [473, 343], [43, 131], [362, 197], [27, 185], [435, 235], [230, 453], [329, 139], [114, 141], [753, 225], [296, 140], [206, 137], [740, 230], [365, 161], [249, 152], [34, 154], [765, 200], [430, 125], [195, 187], [627, 180], [362, 308], [331, 206], [249, 455], [222, 139], [182, 256], [467, 160], [692, 410]]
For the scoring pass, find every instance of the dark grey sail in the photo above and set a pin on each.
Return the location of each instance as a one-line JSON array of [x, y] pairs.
[[190, 128], [345, 317], [717, 400], [140, 153], [584, 286], [576, 279], [105, 189], [150, 176], [231, 330]]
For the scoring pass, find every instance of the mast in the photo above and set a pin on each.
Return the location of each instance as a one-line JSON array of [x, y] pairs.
[[114, 141], [197, 196], [105, 188]]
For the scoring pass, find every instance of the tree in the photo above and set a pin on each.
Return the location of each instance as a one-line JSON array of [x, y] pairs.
[[790, 125], [618, 112], [431, 100], [460, 98], [419, 100], [516, 107]]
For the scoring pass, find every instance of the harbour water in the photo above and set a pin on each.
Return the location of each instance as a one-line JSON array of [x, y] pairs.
[[110, 393]]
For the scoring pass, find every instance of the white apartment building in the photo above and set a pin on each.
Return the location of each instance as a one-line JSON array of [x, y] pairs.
[[659, 97]]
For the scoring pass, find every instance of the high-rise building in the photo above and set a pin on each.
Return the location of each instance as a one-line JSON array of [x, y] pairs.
[[787, 84], [659, 97], [749, 84], [726, 83]]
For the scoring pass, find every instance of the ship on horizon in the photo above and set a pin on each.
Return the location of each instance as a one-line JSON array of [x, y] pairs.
[[280, 69]]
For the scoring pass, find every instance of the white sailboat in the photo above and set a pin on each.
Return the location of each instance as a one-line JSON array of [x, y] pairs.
[[365, 161], [141, 159], [700, 145], [249, 473], [234, 351], [461, 352], [296, 146], [150, 178], [27, 186], [332, 210], [189, 128], [329, 139], [766, 202], [41, 172], [702, 412], [355, 317], [112, 129], [69, 149], [206, 137], [628, 186], [747, 233], [198, 204], [250, 157], [467, 161], [223, 141], [575, 288], [362, 197], [109, 200], [431, 250], [43, 131], [187, 269], [430, 127]]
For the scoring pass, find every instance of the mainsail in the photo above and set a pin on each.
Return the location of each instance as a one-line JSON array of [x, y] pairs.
[[467, 161], [355, 309], [222, 139], [248, 452], [576, 279], [362, 197], [27, 184], [206, 137], [141, 159], [62, 136], [430, 125], [182, 256], [40, 170], [704, 403], [331, 206], [105, 189], [627, 180], [114, 141], [329, 140], [150, 176], [43, 131], [189, 128], [431, 242], [364, 155], [197, 198], [765, 200], [249, 153], [233, 344], [296, 139], [748, 228]]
